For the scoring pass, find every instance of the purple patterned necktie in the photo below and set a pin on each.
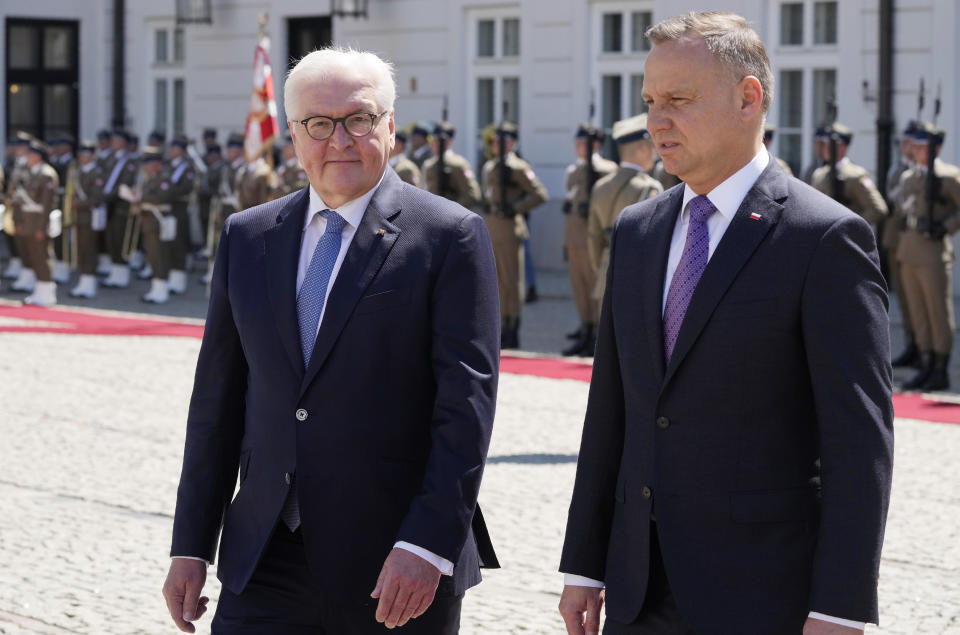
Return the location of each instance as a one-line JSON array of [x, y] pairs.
[[692, 263]]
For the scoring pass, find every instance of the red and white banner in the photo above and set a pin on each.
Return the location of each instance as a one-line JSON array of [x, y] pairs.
[[262, 125]]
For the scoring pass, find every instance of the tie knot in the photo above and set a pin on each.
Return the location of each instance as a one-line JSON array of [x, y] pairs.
[[700, 209], [335, 222]]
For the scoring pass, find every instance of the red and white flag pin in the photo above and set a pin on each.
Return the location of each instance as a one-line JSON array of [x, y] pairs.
[[755, 216]]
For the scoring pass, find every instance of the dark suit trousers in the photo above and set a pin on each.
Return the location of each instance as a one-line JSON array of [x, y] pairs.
[[660, 614], [284, 597]]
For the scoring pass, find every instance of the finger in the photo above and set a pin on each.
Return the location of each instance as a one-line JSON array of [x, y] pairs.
[[174, 600], [411, 608], [425, 603], [591, 623], [399, 606], [378, 588], [191, 599], [387, 595], [574, 622]]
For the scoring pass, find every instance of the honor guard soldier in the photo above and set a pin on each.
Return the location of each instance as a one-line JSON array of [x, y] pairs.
[[209, 186], [846, 182], [931, 205], [419, 148], [87, 197], [182, 176], [406, 169], [226, 201], [254, 183], [448, 174], [580, 179], [890, 240], [629, 184], [512, 190], [34, 198], [104, 151], [157, 139], [158, 222], [768, 132], [209, 139], [17, 173], [121, 177], [61, 159], [291, 176], [819, 138]]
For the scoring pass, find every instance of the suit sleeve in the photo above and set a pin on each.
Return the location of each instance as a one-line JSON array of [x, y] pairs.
[[211, 454], [466, 359], [591, 507], [845, 329]]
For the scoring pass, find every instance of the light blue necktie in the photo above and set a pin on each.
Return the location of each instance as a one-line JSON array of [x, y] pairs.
[[310, 302]]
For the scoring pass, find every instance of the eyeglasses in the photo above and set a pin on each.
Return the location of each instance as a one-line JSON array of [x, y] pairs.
[[359, 124]]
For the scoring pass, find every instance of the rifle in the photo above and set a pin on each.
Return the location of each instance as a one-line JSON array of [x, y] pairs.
[[443, 178], [933, 182], [836, 185]]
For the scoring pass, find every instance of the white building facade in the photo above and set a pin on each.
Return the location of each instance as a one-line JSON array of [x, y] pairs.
[[541, 63]]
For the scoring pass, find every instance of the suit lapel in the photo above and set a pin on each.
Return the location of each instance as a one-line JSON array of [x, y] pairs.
[[758, 213], [371, 243], [282, 254], [662, 223]]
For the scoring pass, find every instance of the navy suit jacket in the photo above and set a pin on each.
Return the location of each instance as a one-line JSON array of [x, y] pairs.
[[764, 448], [399, 395]]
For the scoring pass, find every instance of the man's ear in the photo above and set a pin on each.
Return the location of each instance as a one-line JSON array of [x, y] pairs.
[[750, 93]]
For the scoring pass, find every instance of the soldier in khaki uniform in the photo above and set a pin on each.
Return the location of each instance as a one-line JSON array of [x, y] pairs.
[[254, 183], [768, 131], [457, 182], [34, 198], [926, 253], [857, 190], [226, 202], [819, 136], [159, 225], [87, 197], [182, 174], [629, 184], [23, 277], [291, 177], [576, 211], [419, 148], [505, 212], [406, 169], [121, 174], [890, 240]]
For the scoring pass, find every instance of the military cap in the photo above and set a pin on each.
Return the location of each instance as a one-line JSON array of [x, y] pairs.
[[157, 137], [120, 132], [213, 149], [209, 133], [421, 128], [768, 130], [507, 128], [39, 147], [926, 132], [64, 140], [584, 130], [103, 134], [235, 140], [401, 136], [22, 138], [911, 128], [840, 132], [87, 145], [444, 129], [179, 142], [630, 129], [151, 153], [821, 134], [133, 139]]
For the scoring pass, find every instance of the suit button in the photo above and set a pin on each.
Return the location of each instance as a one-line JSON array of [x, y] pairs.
[[663, 423], [646, 492], [301, 415], [287, 477]]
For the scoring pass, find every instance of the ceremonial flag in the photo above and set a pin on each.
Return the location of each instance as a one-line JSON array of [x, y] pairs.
[[262, 125]]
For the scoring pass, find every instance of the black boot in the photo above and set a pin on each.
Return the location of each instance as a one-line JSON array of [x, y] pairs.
[[504, 332], [585, 343], [532, 295], [575, 335], [926, 369], [515, 334], [909, 357], [939, 379], [509, 337], [590, 345], [577, 346]]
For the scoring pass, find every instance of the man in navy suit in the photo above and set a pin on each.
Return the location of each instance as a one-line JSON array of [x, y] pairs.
[[735, 465], [348, 373]]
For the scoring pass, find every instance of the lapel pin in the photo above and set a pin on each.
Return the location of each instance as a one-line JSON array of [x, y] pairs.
[[381, 233], [755, 216]]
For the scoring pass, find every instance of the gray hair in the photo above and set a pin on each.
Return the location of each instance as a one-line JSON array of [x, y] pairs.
[[729, 38], [319, 65]]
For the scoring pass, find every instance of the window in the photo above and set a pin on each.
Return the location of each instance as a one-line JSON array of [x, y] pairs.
[[160, 46], [485, 90], [637, 105], [511, 37], [58, 46], [791, 118], [178, 45], [179, 107], [791, 23], [485, 38], [611, 100], [160, 105], [640, 21], [612, 32], [824, 22], [22, 47], [824, 92]]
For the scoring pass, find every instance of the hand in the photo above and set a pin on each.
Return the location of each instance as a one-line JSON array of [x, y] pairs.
[[405, 588], [182, 592], [813, 626], [580, 607]]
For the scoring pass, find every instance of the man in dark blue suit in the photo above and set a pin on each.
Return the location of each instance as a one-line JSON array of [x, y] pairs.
[[348, 373], [735, 465]]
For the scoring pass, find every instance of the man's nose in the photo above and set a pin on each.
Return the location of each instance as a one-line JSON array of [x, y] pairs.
[[656, 120], [340, 138]]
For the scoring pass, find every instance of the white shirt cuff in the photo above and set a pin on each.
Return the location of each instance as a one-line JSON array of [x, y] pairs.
[[570, 579], [192, 558], [837, 620], [444, 565]]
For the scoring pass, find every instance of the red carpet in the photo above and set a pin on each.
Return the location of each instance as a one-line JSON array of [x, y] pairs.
[[27, 319]]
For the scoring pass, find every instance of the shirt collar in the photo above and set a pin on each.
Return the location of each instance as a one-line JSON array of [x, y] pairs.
[[728, 196], [352, 211]]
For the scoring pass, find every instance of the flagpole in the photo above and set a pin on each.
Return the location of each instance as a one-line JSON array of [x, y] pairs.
[[262, 20]]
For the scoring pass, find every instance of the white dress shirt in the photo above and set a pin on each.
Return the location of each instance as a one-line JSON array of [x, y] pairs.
[[727, 198], [313, 227]]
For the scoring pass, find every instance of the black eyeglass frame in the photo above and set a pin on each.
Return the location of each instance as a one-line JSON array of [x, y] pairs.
[[374, 118]]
